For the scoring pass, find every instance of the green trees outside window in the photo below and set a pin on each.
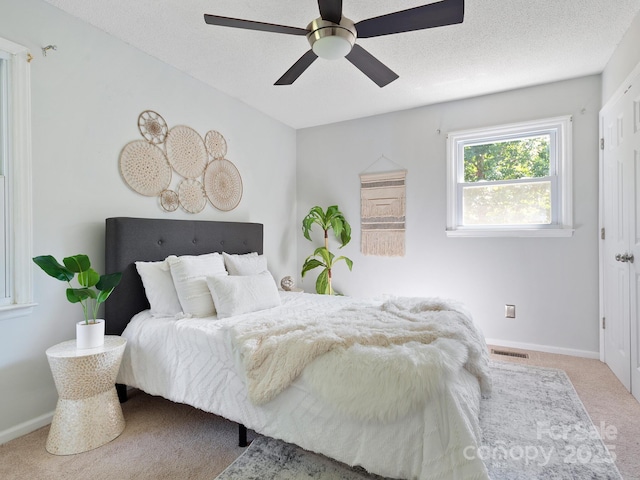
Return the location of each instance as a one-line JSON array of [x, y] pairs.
[[508, 182]]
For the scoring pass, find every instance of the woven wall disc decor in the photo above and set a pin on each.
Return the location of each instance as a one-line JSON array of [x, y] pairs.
[[186, 151], [191, 195], [216, 144], [223, 184], [152, 127], [169, 200], [204, 174], [145, 168]]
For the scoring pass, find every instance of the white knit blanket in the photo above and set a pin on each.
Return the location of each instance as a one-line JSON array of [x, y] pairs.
[[374, 362]]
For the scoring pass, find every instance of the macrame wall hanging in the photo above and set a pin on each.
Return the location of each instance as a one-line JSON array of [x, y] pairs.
[[147, 166], [382, 212]]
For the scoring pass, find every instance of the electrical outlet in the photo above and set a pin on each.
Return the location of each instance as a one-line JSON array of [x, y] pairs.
[[510, 311]]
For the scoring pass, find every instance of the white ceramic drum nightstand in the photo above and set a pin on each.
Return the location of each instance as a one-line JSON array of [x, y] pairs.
[[88, 413]]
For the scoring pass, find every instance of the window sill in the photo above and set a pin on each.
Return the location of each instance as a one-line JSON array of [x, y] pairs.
[[14, 311], [512, 232]]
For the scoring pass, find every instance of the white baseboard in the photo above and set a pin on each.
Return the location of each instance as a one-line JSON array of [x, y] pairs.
[[25, 427], [544, 348]]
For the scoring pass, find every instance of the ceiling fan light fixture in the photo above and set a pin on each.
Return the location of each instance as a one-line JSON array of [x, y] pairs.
[[331, 41], [332, 48]]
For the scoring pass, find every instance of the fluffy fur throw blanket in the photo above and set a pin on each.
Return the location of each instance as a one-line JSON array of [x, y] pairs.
[[375, 361]]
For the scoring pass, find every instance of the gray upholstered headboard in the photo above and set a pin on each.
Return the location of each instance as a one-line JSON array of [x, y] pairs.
[[131, 239]]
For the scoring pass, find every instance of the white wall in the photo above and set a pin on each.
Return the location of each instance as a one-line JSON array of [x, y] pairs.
[[622, 62], [86, 99], [552, 281]]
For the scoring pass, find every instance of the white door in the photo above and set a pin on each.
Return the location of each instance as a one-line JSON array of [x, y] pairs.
[[633, 152], [616, 311], [620, 248]]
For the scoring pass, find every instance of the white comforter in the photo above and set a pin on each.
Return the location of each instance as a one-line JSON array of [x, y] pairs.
[[197, 362]]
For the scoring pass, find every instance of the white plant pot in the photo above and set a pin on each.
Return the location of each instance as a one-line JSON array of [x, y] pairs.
[[90, 335]]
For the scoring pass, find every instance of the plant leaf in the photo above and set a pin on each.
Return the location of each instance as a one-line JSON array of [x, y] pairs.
[[345, 234], [52, 268], [109, 281], [325, 254], [75, 295], [310, 264], [349, 263], [77, 263], [307, 222], [103, 295], [347, 260], [337, 223], [315, 215], [332, 211], [322, 282], [318, 212], [88, 278], [106, 285]]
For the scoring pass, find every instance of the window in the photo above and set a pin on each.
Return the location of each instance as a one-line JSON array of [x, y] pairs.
[[15, 181], [510, 180]]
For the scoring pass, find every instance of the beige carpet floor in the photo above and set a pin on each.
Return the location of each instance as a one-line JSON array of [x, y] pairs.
[[164, 440]]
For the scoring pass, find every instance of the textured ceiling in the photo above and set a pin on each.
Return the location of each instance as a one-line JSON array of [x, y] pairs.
[[502, 45]]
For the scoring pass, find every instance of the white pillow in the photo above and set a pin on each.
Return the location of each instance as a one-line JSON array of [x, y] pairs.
[[234, 295], [247, 264], [189, 274], [159, 288]]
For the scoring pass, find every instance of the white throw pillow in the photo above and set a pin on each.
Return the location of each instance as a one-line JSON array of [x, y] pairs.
[[235, 295], [189, 273], [247, 264], [159, 288]]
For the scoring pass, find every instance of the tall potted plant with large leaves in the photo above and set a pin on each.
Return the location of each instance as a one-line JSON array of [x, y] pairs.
[[92, 290], [331, 219]]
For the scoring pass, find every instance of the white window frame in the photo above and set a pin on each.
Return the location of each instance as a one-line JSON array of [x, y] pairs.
[[560, 176], [17, 169]]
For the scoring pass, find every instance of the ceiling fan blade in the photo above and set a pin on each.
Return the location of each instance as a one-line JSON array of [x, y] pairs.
[[371, 66], [439, 14], [251, 25], [330, 10], [296, 70]]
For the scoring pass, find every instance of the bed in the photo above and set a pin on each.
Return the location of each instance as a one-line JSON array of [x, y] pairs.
[[429, 430]]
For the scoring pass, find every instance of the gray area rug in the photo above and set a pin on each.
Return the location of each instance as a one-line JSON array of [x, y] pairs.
[[534, 427]]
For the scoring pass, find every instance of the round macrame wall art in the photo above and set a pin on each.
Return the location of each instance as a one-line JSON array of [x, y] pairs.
[[216, 144], [152, 127], [223, 184], [147, 166], [191, 195], [169, 200], [186, 151]]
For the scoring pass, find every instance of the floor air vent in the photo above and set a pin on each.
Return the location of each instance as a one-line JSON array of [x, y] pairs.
[[507, 353]]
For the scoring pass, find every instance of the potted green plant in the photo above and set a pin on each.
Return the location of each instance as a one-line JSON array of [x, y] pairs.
[[93, 289], [332, 219]]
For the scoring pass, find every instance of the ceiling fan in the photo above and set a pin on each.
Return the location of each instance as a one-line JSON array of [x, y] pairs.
[[334, 36]]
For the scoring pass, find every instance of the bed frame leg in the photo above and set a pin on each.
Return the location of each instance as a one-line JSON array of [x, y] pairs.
[[122, 392], [242, 435]]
